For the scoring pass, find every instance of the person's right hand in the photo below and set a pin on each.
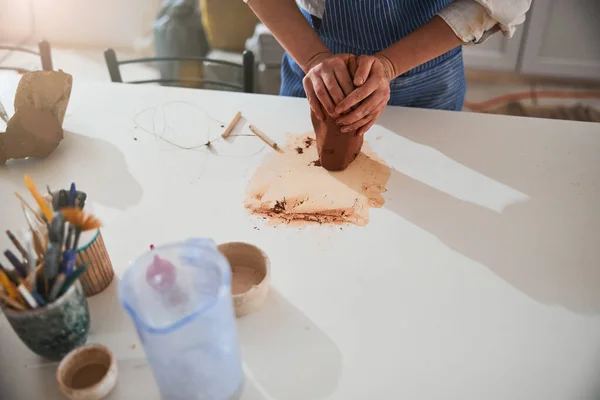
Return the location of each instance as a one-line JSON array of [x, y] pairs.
[[327, 83]]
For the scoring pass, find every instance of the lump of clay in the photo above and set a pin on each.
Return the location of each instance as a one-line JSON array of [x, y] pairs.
[[336, 149], [46, 91], [30, 133], [35, 129]]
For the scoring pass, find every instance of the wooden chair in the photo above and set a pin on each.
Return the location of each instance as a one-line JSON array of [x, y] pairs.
[[247, 68], [43, 52]]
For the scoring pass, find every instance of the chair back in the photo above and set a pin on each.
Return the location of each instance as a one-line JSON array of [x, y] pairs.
[[246, 67], [43, 52]]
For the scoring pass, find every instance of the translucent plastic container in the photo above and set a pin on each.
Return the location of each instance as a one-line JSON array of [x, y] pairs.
[[179, 297]]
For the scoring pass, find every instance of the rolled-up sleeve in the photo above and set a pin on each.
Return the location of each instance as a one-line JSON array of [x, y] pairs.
[[473, 21]]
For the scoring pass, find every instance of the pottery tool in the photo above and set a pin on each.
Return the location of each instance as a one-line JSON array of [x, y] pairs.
[[232, 125], [31, 262], [29, 299], [69, 280], [71, 203], [264, 138], [82, 222], [3, 114], [17, 244], [22, 287], [66, 269], [20, 269], [12, 303], [8, 285], [41, 202]]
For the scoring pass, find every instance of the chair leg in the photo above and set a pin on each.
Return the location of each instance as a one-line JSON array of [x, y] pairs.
[[113, 65], [249, 67], [45, 55]]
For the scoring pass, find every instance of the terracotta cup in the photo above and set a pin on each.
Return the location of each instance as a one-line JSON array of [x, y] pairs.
[[250, 276], [87, 373], [56, 329]]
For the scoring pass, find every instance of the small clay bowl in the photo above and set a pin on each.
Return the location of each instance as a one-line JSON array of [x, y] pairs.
[[87, 373], [250, 276]]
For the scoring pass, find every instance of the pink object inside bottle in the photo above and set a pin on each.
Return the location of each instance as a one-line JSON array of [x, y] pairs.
[[161, 274]]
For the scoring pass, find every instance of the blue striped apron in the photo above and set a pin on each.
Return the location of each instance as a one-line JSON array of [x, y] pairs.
[[369, 26]]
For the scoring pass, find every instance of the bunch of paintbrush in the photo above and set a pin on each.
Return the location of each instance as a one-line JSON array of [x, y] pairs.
[[45, 267]]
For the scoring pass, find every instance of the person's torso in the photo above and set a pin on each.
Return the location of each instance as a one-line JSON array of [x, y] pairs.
[[367, 26]]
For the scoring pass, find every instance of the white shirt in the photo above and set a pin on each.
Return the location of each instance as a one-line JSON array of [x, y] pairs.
[[473, 21]]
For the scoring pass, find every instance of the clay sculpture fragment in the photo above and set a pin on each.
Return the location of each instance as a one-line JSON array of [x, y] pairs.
[[35, 129]]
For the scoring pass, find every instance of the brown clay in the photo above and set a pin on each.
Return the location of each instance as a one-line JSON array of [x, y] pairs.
[[336, 149], [35, 129], [30, 133]]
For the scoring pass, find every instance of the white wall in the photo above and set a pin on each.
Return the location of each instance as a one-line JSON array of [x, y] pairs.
[[93, 23]]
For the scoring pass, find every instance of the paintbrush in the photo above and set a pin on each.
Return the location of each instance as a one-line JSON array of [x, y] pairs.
[[71, 203], [82, 222], [17, 244], [41, 202], [66, 269], [19, 267], [72, 278], [8, 285], [10, 302], [32, 298], [56, 234], [31, 262]]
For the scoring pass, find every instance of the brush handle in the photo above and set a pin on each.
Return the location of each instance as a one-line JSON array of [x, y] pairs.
[[70, 280], [19, 267]]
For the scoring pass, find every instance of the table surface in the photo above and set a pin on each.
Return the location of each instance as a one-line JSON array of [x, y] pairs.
[[478, 279]]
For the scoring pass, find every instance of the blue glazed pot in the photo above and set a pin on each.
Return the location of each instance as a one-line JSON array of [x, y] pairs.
[[56, 329]]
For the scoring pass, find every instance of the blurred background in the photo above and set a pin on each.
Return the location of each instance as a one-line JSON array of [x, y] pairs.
[[551, 68]]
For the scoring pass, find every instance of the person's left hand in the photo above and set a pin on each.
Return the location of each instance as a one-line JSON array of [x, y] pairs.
[[372, 94]]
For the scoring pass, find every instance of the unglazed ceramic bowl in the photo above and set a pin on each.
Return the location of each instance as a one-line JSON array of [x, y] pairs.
[[87, 373], [250, 276]]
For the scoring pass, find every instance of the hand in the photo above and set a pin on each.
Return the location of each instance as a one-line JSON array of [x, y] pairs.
[[327, 83], [372, 94]]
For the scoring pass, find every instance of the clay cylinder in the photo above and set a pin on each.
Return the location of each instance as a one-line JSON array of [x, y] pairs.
[[336, 149]]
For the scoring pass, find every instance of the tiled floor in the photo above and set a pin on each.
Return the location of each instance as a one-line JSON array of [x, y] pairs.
[[89, 64]]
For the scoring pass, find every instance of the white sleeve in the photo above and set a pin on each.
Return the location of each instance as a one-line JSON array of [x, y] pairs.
[[473, 21]]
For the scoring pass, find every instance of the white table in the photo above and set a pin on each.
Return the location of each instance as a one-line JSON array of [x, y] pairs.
[[479, 279]]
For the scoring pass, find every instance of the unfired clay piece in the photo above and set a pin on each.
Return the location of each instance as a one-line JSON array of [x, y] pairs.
[[336, 149], [250, 276], [87, 373], [35, 129]]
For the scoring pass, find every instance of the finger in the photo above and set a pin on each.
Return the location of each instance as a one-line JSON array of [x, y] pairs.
[[315, 106], [342, 74], [364, 109], [364, 68], [376, 113], [358, 124], [358, 95], [323, 95], [333, 87], [365, 128]]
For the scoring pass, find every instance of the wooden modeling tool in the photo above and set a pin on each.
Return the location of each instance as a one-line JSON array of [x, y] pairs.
[[232, 125], [264, 138]]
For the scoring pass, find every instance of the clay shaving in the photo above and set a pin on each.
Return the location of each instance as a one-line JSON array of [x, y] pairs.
[[291, 187]]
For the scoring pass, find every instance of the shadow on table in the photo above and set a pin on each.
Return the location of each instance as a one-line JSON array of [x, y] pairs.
[[108, 316], [96, 165], [547, 246], [286, 356]]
